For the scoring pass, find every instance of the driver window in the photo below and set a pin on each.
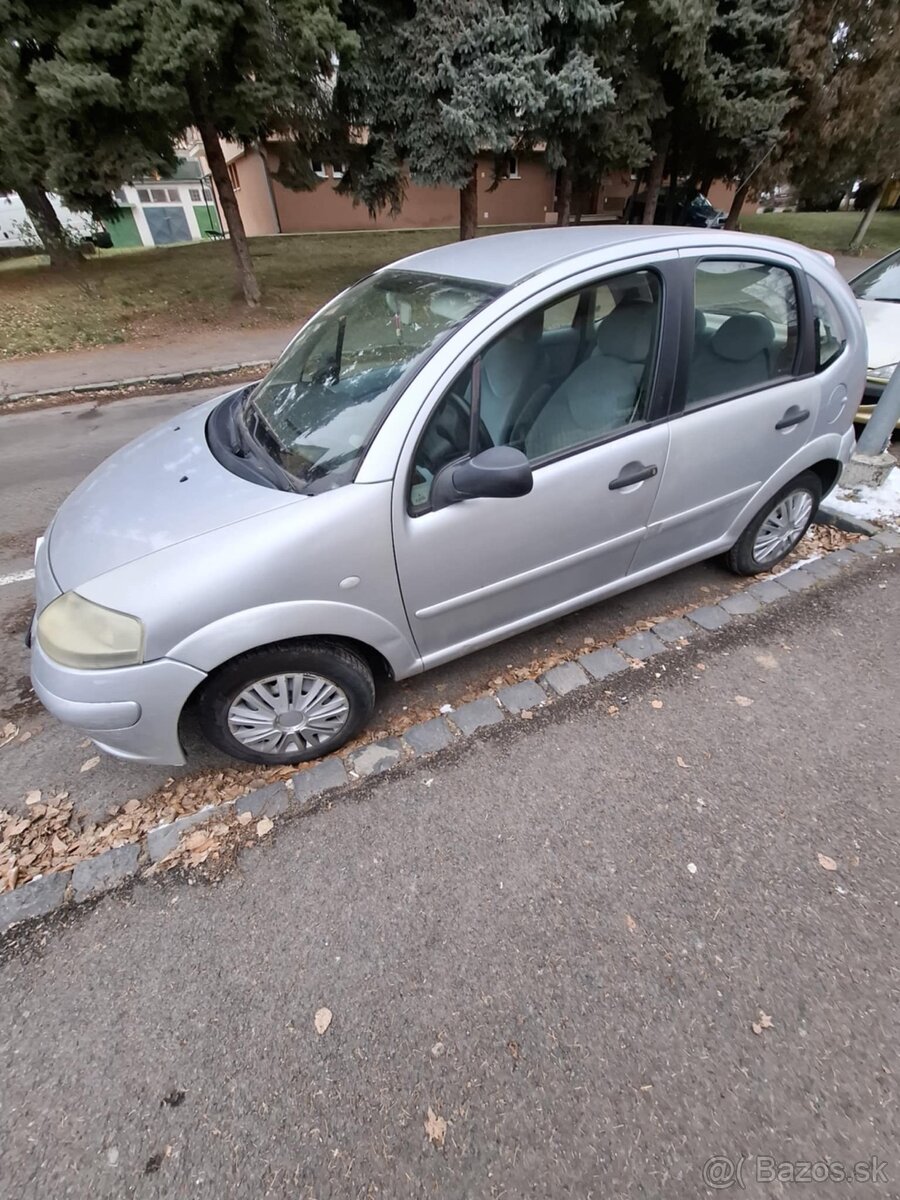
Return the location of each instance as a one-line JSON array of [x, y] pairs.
[[566, 375]]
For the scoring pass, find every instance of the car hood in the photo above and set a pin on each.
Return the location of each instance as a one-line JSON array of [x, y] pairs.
[[166, 487], [882, 321]]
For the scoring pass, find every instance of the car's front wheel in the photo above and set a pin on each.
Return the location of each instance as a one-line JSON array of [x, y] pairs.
[[287, 703], [777, 527]]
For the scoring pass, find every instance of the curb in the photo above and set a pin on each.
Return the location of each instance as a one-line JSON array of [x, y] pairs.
[[306, 789], [112, 385]]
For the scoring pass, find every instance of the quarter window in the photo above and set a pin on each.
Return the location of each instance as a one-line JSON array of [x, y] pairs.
[[830, 335], [745, 328], [566, 375]]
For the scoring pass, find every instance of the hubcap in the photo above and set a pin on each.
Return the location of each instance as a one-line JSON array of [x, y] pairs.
[[286, 714], [783, 527]]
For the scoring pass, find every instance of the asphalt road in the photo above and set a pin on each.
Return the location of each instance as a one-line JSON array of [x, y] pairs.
[[557, 941], [44, 453]]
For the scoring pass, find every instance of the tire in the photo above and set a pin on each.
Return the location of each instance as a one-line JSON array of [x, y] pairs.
[[335, 685], [802, 495]]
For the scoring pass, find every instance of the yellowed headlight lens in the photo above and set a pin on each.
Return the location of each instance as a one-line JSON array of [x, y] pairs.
[[78, 633]]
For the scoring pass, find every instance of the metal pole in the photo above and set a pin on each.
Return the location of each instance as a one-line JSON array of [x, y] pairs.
[[877, 433]]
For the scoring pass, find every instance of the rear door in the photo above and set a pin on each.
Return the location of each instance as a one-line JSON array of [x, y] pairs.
[[748, 399]]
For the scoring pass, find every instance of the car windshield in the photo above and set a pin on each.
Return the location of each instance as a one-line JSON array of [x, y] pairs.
[[317, 409], [881, 282]]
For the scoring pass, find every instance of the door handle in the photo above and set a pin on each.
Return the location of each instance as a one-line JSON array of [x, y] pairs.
[[638, 476], [793, 416]]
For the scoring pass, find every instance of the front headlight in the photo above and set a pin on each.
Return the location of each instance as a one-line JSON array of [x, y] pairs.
[[880, 374], [78, 633]]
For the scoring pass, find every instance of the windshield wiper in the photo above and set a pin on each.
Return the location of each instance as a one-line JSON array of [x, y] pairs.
[[246, 446]]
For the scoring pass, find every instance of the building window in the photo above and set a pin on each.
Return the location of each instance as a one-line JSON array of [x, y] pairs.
[[318, 168], [196, 195], [119, 196], [234, 177], [143, 195], [338, 169], [512, 167]]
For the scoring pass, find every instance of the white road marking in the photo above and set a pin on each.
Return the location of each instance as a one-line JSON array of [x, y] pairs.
[[16, 577]]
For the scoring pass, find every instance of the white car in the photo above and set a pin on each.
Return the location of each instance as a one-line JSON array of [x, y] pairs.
[[877, 291]]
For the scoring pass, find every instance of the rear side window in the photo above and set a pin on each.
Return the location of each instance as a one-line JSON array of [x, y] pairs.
[[745, 328], [830, 335]]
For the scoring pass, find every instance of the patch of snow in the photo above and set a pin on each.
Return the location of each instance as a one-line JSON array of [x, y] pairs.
[[868, 503], [800, 563]]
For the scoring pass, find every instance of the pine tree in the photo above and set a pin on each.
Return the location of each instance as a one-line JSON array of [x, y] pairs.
[[739, 122], [242, 70], [437, 85], [845, 83]]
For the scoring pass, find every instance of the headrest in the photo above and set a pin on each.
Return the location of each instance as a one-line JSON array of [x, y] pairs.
[[628, 331], [505, 366], [742, 337], [600, 394]]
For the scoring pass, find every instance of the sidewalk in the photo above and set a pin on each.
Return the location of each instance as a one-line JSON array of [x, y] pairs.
[[214, 351]]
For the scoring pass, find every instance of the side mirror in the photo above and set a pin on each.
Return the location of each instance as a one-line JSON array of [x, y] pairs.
[[500, 472]]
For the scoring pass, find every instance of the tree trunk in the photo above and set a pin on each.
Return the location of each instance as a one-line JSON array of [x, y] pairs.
[[564, 196], [706, 185], [863, 227], [655, 178], [47, 225], [628, 210], [737, 203], [219, 170], [468, 206], [672, 198]]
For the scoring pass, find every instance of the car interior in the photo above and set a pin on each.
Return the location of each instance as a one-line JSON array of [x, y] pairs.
[[560, 377], [567, 374]]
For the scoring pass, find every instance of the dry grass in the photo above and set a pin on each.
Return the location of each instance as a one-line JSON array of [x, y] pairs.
[[117, 297]]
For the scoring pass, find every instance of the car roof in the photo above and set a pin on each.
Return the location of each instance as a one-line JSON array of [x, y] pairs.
[[508, 258]]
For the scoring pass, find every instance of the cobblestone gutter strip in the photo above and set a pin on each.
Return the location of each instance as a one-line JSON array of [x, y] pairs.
[[308, 788]]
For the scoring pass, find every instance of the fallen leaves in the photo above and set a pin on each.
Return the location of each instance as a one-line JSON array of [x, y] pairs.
[[435, 1128], [90, 763], [8, 733], [656, 703], [245, 818], [743, 701], [33, 798], [826, 862], [764, 1021], [264, 826], [323, 1018], [680, 761], [526, 714], [630, 923]]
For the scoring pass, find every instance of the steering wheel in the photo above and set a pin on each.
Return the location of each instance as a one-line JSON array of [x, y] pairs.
[[447, 435]]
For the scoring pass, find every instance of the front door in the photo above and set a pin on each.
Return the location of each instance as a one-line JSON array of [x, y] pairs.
[[482, 569]]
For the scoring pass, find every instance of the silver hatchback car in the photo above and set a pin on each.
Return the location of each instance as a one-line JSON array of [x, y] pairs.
[[467, 443]]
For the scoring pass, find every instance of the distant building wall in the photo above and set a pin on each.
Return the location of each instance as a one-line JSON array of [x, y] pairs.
[[522, 200], [248, 178]]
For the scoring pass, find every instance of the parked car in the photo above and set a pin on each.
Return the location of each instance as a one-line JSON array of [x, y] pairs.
[[877, 291], [475, 440], [691, 208]]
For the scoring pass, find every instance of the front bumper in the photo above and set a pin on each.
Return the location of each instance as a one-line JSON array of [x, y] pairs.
[[130, 712]]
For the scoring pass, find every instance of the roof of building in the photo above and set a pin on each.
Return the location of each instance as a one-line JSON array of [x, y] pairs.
[[507, 258]]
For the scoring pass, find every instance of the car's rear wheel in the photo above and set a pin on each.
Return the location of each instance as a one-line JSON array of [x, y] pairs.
[[287, 703], [778, 527]]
